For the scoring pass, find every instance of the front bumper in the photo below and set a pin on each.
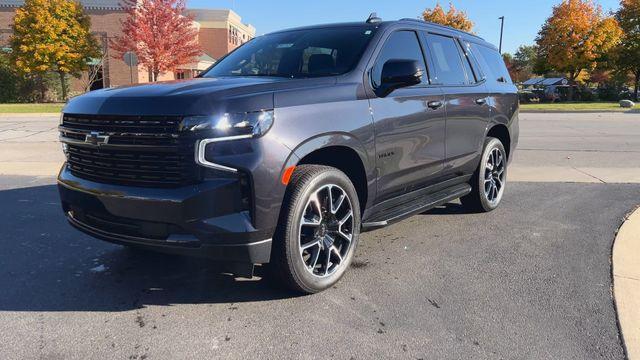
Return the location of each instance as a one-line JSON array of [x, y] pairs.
[[207, 219]]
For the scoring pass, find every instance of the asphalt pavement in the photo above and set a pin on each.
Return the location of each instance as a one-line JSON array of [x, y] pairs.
[[531, 280]]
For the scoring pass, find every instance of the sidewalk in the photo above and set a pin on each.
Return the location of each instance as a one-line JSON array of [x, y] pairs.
[[29, 145], [626, 283]]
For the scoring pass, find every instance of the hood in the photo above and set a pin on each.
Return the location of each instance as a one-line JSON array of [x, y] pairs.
[[199, 96]]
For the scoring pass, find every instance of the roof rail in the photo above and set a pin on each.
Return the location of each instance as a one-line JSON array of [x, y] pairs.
[[412, 19], [440, 26]]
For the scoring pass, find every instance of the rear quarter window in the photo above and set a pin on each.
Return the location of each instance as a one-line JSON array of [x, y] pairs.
[[491, 63]]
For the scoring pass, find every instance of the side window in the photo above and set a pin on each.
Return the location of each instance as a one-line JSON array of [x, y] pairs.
[[401, 45], [492, 64], [472, 77], [445, 53]]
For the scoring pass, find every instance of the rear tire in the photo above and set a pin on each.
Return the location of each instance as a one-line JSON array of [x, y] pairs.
[[318, 229], [489, 180]]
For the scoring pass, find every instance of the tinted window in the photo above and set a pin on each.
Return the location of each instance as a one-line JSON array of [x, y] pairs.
[[472, 77], [401, 45], [297, 54], [446, 59], [492, 64]]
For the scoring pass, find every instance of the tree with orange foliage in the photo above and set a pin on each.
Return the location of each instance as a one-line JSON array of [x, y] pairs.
[[453, 18], [628, 53], [576, 36], [160, 34]]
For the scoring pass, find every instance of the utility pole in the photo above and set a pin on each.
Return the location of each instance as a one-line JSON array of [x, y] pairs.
[[501, 18]]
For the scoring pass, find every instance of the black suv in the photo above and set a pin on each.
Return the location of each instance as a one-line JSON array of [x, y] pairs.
[[290, 146]]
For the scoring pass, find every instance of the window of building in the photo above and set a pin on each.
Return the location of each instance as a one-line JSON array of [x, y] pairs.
[[234, 35]]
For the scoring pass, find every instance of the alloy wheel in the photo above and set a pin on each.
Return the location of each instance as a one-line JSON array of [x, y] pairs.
[[494, 176], [326, 230]]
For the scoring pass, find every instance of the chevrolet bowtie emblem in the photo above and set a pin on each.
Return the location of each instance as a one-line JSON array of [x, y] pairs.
[[94, 138]]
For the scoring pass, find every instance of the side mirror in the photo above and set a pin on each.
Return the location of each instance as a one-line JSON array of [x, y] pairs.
[[397, 74]]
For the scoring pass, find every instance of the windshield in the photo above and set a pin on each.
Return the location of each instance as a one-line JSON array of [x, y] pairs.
[[297, 54]]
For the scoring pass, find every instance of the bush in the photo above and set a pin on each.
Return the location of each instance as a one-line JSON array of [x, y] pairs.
[[584, 94], [13, 86], [609, 93], [8, 81], [18, 88]]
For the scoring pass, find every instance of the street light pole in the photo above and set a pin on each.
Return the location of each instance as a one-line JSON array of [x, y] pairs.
[[501, 31]]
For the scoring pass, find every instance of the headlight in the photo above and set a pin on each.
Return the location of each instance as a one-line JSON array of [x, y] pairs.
[[249, 124], [216, 129]]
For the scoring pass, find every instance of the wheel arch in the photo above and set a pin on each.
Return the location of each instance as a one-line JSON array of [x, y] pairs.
[[501, 132], [345, 153]]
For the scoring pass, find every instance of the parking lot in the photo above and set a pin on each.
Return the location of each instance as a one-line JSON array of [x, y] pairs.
[[530, 280]]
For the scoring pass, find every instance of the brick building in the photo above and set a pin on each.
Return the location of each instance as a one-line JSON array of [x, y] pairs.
[[220, 31]]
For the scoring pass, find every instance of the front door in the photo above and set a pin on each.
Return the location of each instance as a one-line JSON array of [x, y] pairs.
[[409, 124]]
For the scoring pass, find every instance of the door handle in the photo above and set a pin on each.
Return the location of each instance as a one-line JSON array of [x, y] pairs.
[[481, 101], [434, 105]]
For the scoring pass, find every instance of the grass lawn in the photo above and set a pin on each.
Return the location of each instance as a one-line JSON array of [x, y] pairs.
[[30, 108], [575, 106]]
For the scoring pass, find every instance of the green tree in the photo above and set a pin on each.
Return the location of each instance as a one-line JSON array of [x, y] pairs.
[[525, 60], [52, 36], [628, 53]]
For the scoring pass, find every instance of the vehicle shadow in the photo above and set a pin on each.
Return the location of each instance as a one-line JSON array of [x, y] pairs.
[[452, 208], [49, 266]]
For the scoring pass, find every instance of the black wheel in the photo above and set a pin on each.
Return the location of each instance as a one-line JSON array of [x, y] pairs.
[[489, 180], [318, 229]]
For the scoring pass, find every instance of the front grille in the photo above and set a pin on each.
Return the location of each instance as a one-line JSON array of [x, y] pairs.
[[139, 151]]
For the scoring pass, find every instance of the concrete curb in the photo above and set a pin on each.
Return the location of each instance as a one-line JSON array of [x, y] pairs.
[[626, 283]]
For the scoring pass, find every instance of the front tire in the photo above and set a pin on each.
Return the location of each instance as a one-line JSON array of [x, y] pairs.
[[318, 229], [490, 179]]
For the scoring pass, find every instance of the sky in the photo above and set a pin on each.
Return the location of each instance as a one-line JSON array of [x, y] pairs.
[[523, 18]]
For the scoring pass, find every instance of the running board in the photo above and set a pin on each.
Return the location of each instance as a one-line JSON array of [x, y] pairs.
[[420, 205]]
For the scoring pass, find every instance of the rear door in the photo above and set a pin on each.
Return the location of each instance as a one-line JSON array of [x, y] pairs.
[[409, 133], [502, 93], [465, 101]]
